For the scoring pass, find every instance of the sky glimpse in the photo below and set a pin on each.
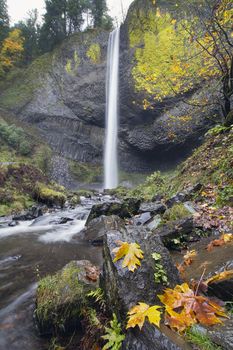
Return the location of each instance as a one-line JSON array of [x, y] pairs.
[[18, 8]]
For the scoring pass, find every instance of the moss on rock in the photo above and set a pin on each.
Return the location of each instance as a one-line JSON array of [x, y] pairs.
[[46, 194], [61, 297]]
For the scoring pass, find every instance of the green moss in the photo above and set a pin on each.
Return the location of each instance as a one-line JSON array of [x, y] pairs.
[[48, 195], [201, 339], [57, 295], [178, 211], [94, 53], [86, 172]]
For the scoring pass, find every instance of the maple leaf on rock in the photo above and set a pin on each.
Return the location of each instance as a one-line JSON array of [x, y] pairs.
[[137, 315], [131, 252], [184, 308]]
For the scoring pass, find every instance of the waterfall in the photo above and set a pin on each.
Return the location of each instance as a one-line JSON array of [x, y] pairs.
[[110, 156]]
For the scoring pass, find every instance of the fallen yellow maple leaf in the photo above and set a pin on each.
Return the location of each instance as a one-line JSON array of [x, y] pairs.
[[184, 308], [189, 256], [131, 252], [220, 276], [138, 314]]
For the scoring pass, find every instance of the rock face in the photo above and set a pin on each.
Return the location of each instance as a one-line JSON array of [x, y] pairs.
[[63, 95]]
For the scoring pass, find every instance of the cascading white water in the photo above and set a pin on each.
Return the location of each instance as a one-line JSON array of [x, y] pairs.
[[110, 156]]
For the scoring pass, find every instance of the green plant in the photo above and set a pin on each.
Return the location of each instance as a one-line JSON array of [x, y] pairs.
[[98, 296], [113, 335], [201, 339], [225, 196], [178, 211], [159, 274], [218, 129]]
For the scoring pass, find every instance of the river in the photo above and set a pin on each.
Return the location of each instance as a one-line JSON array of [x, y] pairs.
[[28, 252]]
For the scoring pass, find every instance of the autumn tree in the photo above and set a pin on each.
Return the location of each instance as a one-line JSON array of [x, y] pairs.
[[4, 20], [11, 51], [212, 30]]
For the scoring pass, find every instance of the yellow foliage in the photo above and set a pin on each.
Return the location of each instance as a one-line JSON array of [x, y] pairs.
[[11, 50], [94, 53], [131, 253], [138, 314], [72, 64], [168, 61]]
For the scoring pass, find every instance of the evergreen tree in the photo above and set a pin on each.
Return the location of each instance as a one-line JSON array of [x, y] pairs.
[[4, 20], [30, 31]]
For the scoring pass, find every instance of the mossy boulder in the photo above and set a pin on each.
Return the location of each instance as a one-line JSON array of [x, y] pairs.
[[60, 298], [49, 195]]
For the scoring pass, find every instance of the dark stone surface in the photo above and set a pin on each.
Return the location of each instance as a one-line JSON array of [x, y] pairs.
[[129, 288], [223, 289], [125, 209], [149, 338], [64, 220], [152, 207], [179, 229], [141, 219], [31, 214], [97, 228], [223, 335]]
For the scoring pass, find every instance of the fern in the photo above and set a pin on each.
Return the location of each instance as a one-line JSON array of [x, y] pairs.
[[113, 336], [98, 296]]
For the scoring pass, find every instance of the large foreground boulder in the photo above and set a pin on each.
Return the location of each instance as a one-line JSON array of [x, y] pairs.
[[129, 288], [124, 289], [61, 297]]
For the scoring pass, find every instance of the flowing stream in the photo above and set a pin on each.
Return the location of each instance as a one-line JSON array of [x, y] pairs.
[[31, 250], [111, 161]]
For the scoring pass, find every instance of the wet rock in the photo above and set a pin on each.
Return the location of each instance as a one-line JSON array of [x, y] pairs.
[[178, 198], [184, 196], [157, 198], [125, 209], [152, 207], [128, 288], [141, 219], [33, 213], [149, 338], [97, 228], [13, 223], [64, 220], [61, 297], [222, 289], [175, 232], [154, 222], [222, 335]]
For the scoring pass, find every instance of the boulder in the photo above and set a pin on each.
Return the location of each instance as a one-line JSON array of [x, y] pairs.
[[154, 223], [125, 209], [129, 288], [152, 207], [175, 233], [185, 195], [223, 288], [97, 228], [33, 213], [64, 220], [141, 219], [61, 297]]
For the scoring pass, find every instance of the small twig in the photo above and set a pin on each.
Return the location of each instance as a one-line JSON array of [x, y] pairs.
[[201, 279]]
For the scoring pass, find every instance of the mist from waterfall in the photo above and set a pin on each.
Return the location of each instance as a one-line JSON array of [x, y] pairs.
[[111, 138]]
